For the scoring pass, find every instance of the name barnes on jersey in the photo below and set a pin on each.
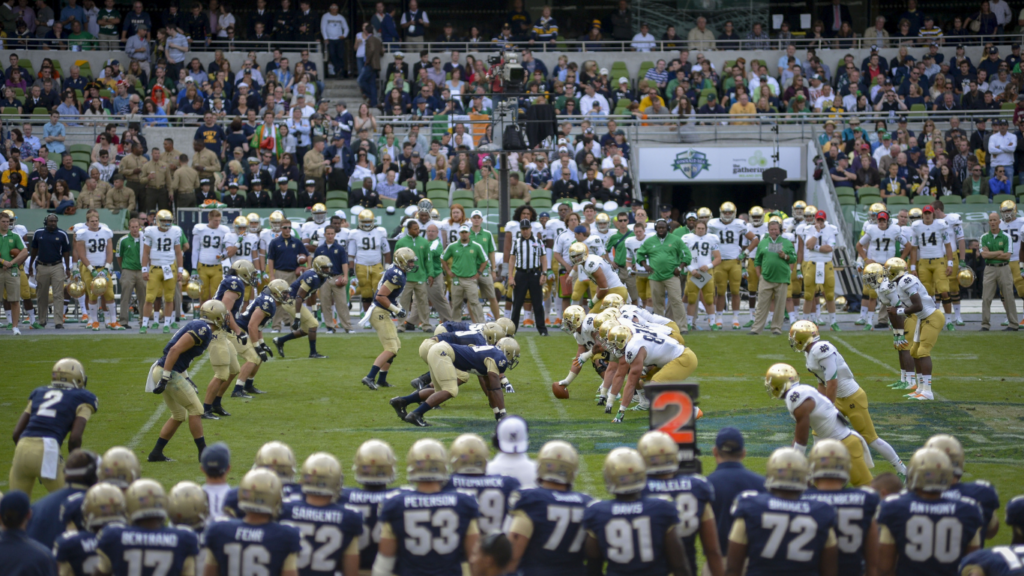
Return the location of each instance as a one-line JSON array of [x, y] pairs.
[[429, 500]]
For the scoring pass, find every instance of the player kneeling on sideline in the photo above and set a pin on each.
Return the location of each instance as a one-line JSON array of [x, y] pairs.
[[635, 534], [403, 519], [918, 309], [223, 355], [494, 493], [980, 491], [169, 376], [304, 291], [487, 336], [374, 468], [75, 552], [385, 307], [640, 349], [776, 532], [254, 350]]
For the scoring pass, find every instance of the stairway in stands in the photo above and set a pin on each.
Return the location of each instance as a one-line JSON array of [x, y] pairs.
[[347, 90]]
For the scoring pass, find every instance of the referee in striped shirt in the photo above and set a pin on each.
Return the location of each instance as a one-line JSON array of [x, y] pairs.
[[528, 264]]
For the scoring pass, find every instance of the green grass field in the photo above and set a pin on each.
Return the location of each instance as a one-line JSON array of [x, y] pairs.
[[320, 405]]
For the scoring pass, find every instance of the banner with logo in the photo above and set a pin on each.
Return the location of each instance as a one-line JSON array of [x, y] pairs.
[[711, 164]]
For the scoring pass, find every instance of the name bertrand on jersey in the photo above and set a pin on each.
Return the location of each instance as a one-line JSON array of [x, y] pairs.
[[316, 515], [162, 539], [430, 500]]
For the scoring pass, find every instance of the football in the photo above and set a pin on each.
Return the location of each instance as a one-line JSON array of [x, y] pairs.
[[560, 392], [301, 259], [340, 281], [15, 252]]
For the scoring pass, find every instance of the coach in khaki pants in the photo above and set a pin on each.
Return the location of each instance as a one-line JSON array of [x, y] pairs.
[[331, 293], [282, 262], [467, 263], [995, 249], [51, 261], [435, 279], [664, 254], [129, 250], [415, 280], [776, 259]]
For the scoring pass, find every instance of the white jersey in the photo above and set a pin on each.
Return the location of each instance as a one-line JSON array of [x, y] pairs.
[[908, 285], [827, 236], [553, 229], [266, 236], [161, 245], [587, 336], [790, 224], [215, 495], [758, 232], [701, 248], [660, 350], [1015, 230], [826, 421], [604, 236], [247, 246], [730, 236], [954, 232], [562, 244], [826, 363], [367, 248], [887, 294], [76, 229], [882, 244], [208, 245], [594, 263], [930, 239], [449, 231], [96, 244], [632, 245], [313, 233], [641, 316], [789, 236]]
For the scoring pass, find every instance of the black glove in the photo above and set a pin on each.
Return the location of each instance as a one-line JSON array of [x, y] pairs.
[[401, 313], [162, 385], [262, 354], [267, 349], [297, 322], [243, 338]]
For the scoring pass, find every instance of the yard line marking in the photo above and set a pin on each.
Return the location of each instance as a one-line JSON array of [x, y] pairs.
[[879, 362], [158, 413]]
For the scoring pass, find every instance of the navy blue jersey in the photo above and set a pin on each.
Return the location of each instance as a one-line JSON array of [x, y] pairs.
[[493, 495], [463, 337], [53, 411], [474, 359], [998, 561], [201, 334], [264, 302], [367, 503], [632, 534], [71, 512], [45, 526], [232, 284], [138, 551], [309, 281], [430, 530], [555, 522], [266, 546], [783, 536], [855, 508], [394, 277], [915, 525], [456, 326], [78, 550], [231, 498], [1015, 513], [328, 532], [692, 496], [981, 492]]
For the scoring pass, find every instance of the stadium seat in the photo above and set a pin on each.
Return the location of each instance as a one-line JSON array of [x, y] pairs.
[[847, 201], [464, 197], [1000, 198], [1009, 105], [869, 190], [293, 185], [488, 204], [80, 148], [10, 111], [897, 201], [27, 65], [540, 194], [922, 200], [868, 199], [976, 199], [846, 191], [515, 202], [20, 93], [1019, 189], [336, 204]]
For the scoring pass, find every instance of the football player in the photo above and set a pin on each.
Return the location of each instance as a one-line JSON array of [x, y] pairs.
[[560, 254], [856, 529], [704, 249], [703, 215], [574, 320], [368, 248], [494, 494], [312, 232], [836, 382], [633, 533], [373, 468], [640, 349], [636, 267], [790, 223], [80, 470], [188, 508], [208, 251], [303, 294], [547, 524], [980, 491], [223, 355], [692, 495], [817, 245], [731, 234], [488, 336], [161, 253], [758, 226], [449, 517], [118, 466], [874, 276], [879, 243], [998, 561], [918, 309], [801, 221], [1013, 226], [1015, 518], [931, 260], [94, 248], [460, 326], [330, 531], [776, 531], [957, 245], [75, 551], [169, 376], [647, 319], [813, 412], [276, 457], [146, 546], [920, 532], [61, 409], [598, 272], [265, 546], [385, 307], [254, 350], [246, 248]]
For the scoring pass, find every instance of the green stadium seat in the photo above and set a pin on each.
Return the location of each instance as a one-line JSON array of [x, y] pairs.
[[845, 191], [10, 111], [27, 65], [293, 185], [869, 190], [976, 199], [336, 204], [922, 200], [488, 204], [847, 201], [19, 92], [868, 199], [1000, 198], [897, 201], [337, 195], [80, 148], [535, 194], [516, 203], [1008, 105]]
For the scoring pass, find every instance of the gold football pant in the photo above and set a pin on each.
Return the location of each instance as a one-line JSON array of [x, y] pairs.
[[753, 278], [679, 369], [581, 287], [828, 287], [954, 280], [926, 334], [179, 396], [158, 286], [932, 272], [707, 294], [728, 274], [380, 320], [1018, 282], [211, 275], [440, 359], [307, 321], [223, 356], [859, 473], [368, 277], [88, 277], [621, 291], [247, 351], [26, 467], [855, 408], [796, 285]]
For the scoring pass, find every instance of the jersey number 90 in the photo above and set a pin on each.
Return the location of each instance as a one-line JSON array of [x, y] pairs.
[[927, 539]]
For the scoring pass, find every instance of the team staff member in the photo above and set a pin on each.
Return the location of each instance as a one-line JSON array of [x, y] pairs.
[[465, 261], [617, 248], [774, 264], [435, 277], [528, 263], [12, 271], [51, 264], [129, 258], [209, 250], [415, 280], [665, 254], [483, 237], [995, 249], [332, 294], [21, 554], [282, 262]]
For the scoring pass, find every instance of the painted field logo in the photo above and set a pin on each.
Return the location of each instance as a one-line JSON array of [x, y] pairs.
[[691, 163]]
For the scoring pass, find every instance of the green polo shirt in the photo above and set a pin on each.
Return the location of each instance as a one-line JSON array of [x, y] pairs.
[[486, 241], [617, 246], [465, 258], [680, 231], [664, 255], [773, 268], [8, 242], [421, 246], [435, 248], [129, 250], [995, 243]]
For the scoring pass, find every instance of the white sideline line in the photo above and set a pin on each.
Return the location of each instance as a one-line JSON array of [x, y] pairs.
[[158, 413], [879, 362]]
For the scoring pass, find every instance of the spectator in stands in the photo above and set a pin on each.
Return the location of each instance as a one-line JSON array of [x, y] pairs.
[[893, 184], [1003, 14], [700, 37], [1001, 146], [384, 24], [976, 183], [988, 23], [834, 16], [80, 38], [177, 47], [644, 41], [1000, 183], [877, 34], [54, 133], [137, 47]]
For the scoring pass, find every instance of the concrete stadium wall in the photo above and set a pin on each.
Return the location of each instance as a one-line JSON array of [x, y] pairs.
[[98, 58]]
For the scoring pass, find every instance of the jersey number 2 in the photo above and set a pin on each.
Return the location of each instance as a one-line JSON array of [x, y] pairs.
[[51, 398]]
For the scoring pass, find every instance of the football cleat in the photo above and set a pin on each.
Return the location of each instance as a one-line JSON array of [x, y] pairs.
[[736, 325], [174, 325], [369, 383], [280, 347], [920, 396], [868, 327], [716, 327], [416, 420], [528, 322], [209, 416], [601, 400], [749, 324], [950, 327], [901, 385], [115, 326], [167, 329], [253, 390], [959, 322], [418, 383], [159, 458], [240, 394], [95, 326], [608, 408], [860, 322], [619, 417], [220, 411], [399, 407], [835, 327], [315, 356]]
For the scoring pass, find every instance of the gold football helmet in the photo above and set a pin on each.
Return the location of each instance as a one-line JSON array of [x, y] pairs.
[[492, 333], [321, 475], [798, 207], [76, 288], [578, 252], [873, 275], [511, 349], [1008, 210], [756, 215], [276, 220], [241, 224], [11, 215], [434, 214], [557, 462], [660, 452], [214, 313], [787, 469], [187, 505], [508, 325], [612, 301], [468, 455], [965, 277], [894, 268], [374, 463], [68, 373], [930, 470], [727, 212], [573, 317], [405, 259], [606, 328], [278, 457], [425, 205], [600, 318], [802, 333], [164, 220], [779, 379], [624, 471], [952, 447], [367, 221], [602, 221], [194, 287], [279, 290], [703, 214], [103, 504], [120, 467], [259, 492], [874, 210], [319, 213], [255, 222], [246, 271], [809, 211], [619, 337], [830, 459], [841, 301], [914, 215], [322, 265], [145, 498], [427, 461]]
